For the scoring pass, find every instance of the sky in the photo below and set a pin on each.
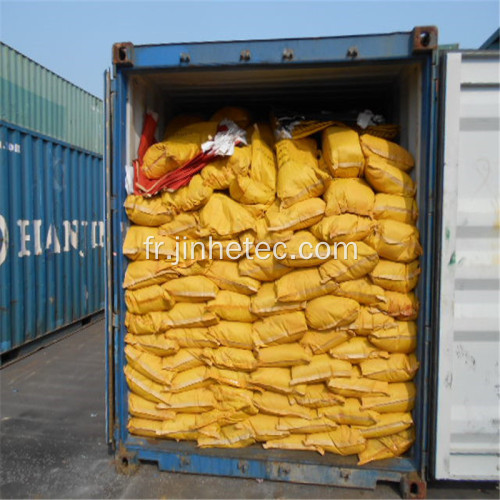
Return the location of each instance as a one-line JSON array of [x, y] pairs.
[[73, 38]]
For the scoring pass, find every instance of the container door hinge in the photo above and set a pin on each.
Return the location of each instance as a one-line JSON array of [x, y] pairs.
[[115, 320]]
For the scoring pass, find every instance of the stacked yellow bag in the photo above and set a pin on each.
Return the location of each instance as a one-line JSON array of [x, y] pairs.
[[304, 352]]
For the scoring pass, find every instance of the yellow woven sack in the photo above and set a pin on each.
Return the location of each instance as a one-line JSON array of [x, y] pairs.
[[262, 267], [394, 207], [321, 368], [396, 276], [342, 152], [273, 403], [240, 116], [247, 190], [143, 386], [151, 298], [263, 164], [361, 290], [184, 427], [297, 425], [299, 216], [230, 377], [179, 122], [147, 211], [387, 447], [183, 224], [231, 436], [393, 153], [301, 246], [192, 401], [317, 396], [194, 378], [143, 324], [356, 386], [272, 379], [143, 273], [239, 162], [134, 246], [396, 241], [279, 329], [401, 398], [370, 319], [352, 196], [234, 398], [229, 250], [192, 289], [302, 284], [222, 217], [319, 342], [357, 350], [232, 306], [327, 312], [384, 178], [353, 261], [148, 364], [186, 315], [349, 413], [154, 344], [143, 408], [232, 334], [403, 306], [197, 337], [231, 358], [264, 427], [388, 423], [143, 427], [299, 176], [292, 442], [265, 303], [262, 233], [218, 175], [184, 359], [397, 368], [402, 338], [343, 228], [284, 355], [178, 149], [341, 441], [190, 197], [227, 277]]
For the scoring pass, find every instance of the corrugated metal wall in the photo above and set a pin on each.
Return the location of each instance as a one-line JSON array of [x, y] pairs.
[[51, 235], [33, 97]]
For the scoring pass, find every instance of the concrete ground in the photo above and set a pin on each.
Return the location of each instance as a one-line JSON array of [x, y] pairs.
[[52, 441]]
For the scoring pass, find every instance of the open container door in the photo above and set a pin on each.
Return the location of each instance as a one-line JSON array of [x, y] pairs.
[[467, 439]]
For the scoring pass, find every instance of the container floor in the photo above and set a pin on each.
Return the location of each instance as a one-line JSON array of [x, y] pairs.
[[53, 443]]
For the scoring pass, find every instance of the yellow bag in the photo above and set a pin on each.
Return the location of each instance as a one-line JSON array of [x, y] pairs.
[[299, 177], [232, 334], [319, 342], [394, 207], [239, 162], [145, 273], [302, 284], [143, 408], [232, 306], [148, 364], [356, 386], [401, 398], [262, 233], [403, 306], [198, 337], [179, 122], [283, 355], [266, 133], [151, 298], [393, 153], [194, 378], [147, 211], [300, 247], [299, 216], [396, 241], [272, 379], [231, 436], [384, 178], [218, 175], [264, 427], [187, 315], [234, 398], [327, 312], [352, 196], [248, 191], [396, 276], [230, 377], [317, 396], [143, 324], [184, 427], [192, 289], [229, 250], [279, 329], [154, 344], [353, 261], [190, 197], [231, 358], [227, 277], [184, 145], [400, 339], [262, 267], [370, 319], [361, 290], [297, 425], [183, 224], [350, 413], [388, 423], [143, 427], [343, 228], [135, 244], [143, 386], [193, 401], [273, 403], [356, 350], [397, 368], [341, 441], [342, 152], [321, 368], [387, 447], [184, 359], [222, 217], [292, 442], [240, 116], [265, 303]]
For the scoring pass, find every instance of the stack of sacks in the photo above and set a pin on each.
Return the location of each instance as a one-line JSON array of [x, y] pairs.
[[294, 353]]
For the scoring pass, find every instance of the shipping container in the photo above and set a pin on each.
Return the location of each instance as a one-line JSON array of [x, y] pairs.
[[51, 203], [396, 75]]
